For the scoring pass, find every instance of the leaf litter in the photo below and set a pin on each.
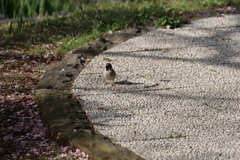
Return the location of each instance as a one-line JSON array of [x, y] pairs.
[[22, 133]]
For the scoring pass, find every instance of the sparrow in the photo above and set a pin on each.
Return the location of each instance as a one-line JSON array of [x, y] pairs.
[[109, 73]]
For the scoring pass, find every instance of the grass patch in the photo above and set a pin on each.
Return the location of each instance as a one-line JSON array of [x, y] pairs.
[[69, 32], [168, 22]]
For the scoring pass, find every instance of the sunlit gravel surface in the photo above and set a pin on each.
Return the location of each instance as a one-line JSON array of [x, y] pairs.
[[176, 94]]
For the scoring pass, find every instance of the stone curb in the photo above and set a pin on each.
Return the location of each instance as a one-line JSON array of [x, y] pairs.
[[69, 125], [67, 122]]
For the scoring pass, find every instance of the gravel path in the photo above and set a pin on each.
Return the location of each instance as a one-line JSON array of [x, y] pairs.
[[177, 93]]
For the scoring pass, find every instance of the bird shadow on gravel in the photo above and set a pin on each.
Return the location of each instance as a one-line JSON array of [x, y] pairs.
[[126, 82]]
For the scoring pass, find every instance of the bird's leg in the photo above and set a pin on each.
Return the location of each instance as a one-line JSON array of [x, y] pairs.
[[113, 83], [107, 82]]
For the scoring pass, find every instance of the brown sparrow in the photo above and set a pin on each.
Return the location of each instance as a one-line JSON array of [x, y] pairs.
[[109, 73]]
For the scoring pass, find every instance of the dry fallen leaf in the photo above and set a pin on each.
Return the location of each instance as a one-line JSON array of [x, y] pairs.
[[177, 53], [113, 84]]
